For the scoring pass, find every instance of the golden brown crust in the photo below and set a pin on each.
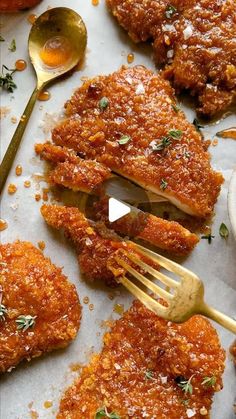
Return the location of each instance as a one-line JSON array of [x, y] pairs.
[[71, 171], [141, 343], [16, 5], [146, 118], [32, 285], [197, 44], [167, 235]]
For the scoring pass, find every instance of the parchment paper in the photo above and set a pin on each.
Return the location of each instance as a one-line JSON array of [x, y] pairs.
[[47, 377]]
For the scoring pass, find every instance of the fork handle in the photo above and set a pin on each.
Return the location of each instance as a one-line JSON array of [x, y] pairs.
[[225, 321]]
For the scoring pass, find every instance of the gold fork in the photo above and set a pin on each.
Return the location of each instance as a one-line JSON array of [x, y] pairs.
[[187, 298]]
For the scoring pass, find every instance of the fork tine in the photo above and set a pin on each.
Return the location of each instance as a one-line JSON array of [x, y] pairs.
[[147, 282], [148, 301], [163, 278], [164, 262]]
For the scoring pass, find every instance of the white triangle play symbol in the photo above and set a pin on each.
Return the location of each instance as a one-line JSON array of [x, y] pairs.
[[116, 209]]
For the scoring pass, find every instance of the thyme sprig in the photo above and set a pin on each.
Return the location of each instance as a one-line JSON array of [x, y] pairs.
[[6, 80], [166, 141], [209, 381], [103, 413], [186, 385], [25, 322]]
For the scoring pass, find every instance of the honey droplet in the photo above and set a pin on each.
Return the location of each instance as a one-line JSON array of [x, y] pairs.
[[130, 58], [20, 65], [41, 245], [12, 189], [56, 51], [43, 96], [3, 224], [95, 2], [119, 309], [18, 170], [45, 194], [227, 133], [214, 142], [86, 300], [31, 18], [91, 307], [13, 120], [37, 197], [48, 404], [27, 184]]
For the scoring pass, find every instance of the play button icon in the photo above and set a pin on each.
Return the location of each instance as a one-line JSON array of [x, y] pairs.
[[116, 209]]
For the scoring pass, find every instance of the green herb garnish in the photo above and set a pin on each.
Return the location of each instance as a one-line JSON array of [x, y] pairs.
[[124, 139], [224, 232], [149, 375], [170, 11], [187, 154], [175, 133], [163, 184], [24, 322], [197, 125], [103, 103], [6, 80], [185, 402], [208, 237], [12, 46], [3, 312], [103, 413], [209, 381], [186, 385], [175, 107], [1, 39]]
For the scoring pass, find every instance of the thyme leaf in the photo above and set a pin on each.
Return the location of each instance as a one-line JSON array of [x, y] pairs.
[[209, 381], [149, 375], [163, 184], [197, 125], [170, 11], [103, 413], [6, 80], [24, 322], [124, 139], [186, 385], [175, 107], [175, 133], [12, 46], [3, 312], [224, 232], [103, 103]]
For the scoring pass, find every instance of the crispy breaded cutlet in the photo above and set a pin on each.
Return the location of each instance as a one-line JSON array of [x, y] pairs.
[[165, 234], [141, 136], [195, 39], [139, 372], [88, 176], [96, 246], [32, 286]]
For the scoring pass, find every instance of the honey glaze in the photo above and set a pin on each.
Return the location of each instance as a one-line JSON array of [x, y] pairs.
[[32, 18], [44, 95], [56, 51], [227, 133], [3, 224], [130, 58], [20, 65]]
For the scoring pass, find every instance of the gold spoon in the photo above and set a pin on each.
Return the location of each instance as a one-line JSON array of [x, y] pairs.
[[56, 44]]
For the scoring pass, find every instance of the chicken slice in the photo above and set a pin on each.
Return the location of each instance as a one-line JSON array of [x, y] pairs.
[[139, 372], [96, 246], [71, 171], [194, 39], [140, 135], [167, 235], [39, 307]]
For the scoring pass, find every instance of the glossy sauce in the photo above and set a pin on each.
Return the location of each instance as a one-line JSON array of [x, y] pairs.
[[32, 18], [56, 52], [3, 224], [130, 58], [227, 133], [20, 65], [18, 170], [44, 96]]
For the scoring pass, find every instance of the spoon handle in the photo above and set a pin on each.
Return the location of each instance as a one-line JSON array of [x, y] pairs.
[[10, 154]]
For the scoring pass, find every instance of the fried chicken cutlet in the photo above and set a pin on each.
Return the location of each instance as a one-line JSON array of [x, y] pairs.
[[140, 135], [194, 39], [88, 176], [39, 307], [142, 368]]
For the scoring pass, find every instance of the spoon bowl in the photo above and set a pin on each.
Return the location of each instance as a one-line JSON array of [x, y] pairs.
[[57, 43]]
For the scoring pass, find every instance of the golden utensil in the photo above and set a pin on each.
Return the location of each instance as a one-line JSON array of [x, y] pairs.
[[186, 298], [56, 44]]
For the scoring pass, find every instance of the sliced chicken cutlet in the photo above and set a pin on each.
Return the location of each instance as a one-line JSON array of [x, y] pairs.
[[96, 246], [88, 176], [139, 135], [195, 39], [167, 235], [141, 370], [39, 307]]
